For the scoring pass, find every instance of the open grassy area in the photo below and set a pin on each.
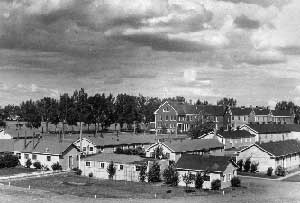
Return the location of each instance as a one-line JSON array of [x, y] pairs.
[[295, 178], [14, 171], [83, 186], [260, 175]]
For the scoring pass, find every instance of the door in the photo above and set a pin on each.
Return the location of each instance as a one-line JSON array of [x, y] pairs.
[[70, 162]]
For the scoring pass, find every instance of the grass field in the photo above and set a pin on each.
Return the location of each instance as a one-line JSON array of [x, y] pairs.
[[14, 171], [295, 178], [260, 175], [84, 187]]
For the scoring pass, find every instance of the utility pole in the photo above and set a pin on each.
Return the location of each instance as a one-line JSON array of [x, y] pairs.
[[80, 137]]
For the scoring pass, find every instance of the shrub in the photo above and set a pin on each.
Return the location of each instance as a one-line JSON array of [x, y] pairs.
[[143, 174], [8, 161], [37, 165], [171, 175], [235, 182], [91, 175], [56, 166], [240, 164], [247, 165], [111, 170], [188, 178], [28, 163], [269, 171], [199, 181], [119, 150], [280, 171], [154, 173], [2, 123], [216, 184], [254, 167], [77, 171]]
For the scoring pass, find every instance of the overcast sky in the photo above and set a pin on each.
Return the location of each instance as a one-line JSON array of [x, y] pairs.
[[207, 49]]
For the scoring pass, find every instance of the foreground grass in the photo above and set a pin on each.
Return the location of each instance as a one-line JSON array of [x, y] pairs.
[[82, 186], [260, 175], [14, 171]]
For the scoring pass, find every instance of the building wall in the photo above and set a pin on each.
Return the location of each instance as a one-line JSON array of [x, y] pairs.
[[86, 145], [289, 161], [42, 158], [128, 173], [257, 155], [227, 175], [273, 137], [283, 119], [239, 120], [213, 136], [69, 160], [294, 135], [166, 117], [172, 155], [239, 142]]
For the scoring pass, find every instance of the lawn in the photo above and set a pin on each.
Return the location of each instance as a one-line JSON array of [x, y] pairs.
[[82, 186], [14, 171], [295, 178], [260, 175]]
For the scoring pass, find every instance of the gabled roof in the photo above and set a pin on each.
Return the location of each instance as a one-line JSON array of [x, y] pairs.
[[116, 158], [286, 113], [236, 134], [193, 145], [239, 111], [269, 128], [203, 163], [184, 108], [281, 148], [261, 111], [213, 110]]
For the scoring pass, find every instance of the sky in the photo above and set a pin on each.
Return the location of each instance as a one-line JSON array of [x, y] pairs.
[[199, 49]]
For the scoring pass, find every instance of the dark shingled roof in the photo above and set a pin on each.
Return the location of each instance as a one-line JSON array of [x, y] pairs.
[[238, 111], [202, 163], [194, 145], [281, 113], [261, 111], [269, 128], [281, 148], [236, 134]]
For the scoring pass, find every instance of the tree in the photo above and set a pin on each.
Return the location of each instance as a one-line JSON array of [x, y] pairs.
[[199, 180], [111, 170], [254, 167], [240, 164], [270, 171], [56, 166], [37, 165], [170, 175], [188, 178], [227, 102], [200, 127], [45, 109], [30, 113], [143, 174], [154, 173], [235, 182], [247, 165], [198, 102]]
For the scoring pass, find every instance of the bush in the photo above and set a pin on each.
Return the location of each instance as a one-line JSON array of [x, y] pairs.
[[199, 181], [254, 167], [8, 161], [216, 184], [28, 163], [119, 150], [270, 171], [188, 178], [240, 164], [77, 171], [235, 182], [143, 174], [280, 171], [171, 175], [56, 166], [154, 173], [247, 165], [91, 175], [37, 165]]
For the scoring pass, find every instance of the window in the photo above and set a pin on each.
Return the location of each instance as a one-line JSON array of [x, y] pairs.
[[19, 155], [34, 156], [206, 178], [161, 118], [168, 155], [229, 177], [167, 117], [233, 118], [26, 156], [137, 168], [245, 118], [48, 158], [91, 149], [84, 149], [121, 167], [152, 154], [88, 163], [102, 165], [239, 118], [223, 178]]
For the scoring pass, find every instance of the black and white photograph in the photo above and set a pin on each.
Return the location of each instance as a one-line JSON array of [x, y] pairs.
[[149, 101]]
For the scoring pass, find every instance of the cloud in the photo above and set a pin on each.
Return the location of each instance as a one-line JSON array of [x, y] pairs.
[[246, 23]]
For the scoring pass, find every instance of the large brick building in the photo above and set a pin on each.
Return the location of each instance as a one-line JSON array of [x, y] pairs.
[[174, 117]]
